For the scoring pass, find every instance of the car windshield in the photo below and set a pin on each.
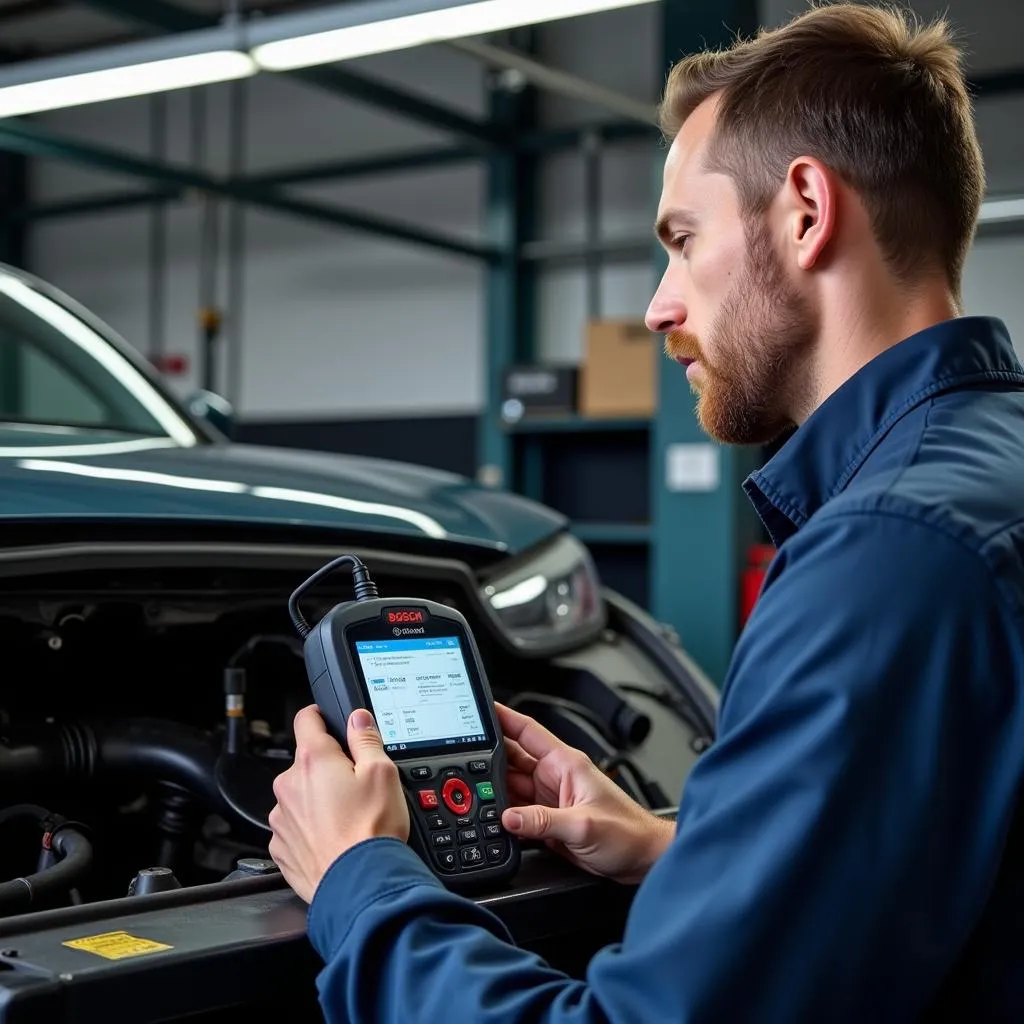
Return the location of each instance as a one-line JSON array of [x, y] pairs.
[[58, 371]]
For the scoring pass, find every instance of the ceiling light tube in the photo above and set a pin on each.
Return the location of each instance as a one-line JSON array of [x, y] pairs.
[[1005, 209], [361, 29], [138, 69]]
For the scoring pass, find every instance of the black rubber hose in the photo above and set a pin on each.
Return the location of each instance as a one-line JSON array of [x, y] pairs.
[[76, 860], [161, 750], [16, 811], [623, 723], [131, 747], [26, 760]]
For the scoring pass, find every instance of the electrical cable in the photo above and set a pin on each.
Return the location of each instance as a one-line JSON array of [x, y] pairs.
[[603, 750], [365, 588], [701, 740], [292, 643]]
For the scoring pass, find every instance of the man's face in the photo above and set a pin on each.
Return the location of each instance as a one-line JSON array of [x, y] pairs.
[[730, 314]]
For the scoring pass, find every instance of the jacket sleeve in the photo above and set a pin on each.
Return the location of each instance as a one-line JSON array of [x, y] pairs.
[[834, 847]]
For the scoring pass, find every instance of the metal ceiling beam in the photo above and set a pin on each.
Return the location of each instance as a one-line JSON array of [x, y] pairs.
[[34, 140], [100, 203], [163, 16], [555, 80], [343, 82], [153, 14], [27, 9], [555, 140], [996, 83], [369, 166]]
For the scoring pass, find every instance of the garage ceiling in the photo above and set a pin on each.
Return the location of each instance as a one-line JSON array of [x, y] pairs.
[[38, 28]]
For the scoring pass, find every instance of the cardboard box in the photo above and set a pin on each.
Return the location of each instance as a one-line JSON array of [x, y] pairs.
[[619, 373]]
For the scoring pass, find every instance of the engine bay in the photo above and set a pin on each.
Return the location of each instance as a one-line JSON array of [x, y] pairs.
[[147, 701]]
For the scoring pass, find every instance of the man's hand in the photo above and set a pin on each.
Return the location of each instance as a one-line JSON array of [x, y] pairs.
[[561, 797], [327, 803]]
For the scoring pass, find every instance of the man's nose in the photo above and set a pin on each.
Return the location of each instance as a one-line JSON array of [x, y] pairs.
[[666, 312]]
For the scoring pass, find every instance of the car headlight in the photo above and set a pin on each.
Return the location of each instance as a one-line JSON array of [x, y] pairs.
[[550, 600]]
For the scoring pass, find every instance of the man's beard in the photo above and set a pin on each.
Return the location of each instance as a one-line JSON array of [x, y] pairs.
[[761, 338]]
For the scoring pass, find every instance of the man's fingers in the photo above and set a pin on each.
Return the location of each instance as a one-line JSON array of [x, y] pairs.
[[521, 789], [536, 821], [363, 738], [519, 759], [528, 733], [309, 725], [312, 740]]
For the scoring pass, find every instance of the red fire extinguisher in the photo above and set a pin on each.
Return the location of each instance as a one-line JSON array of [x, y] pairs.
[[759, 557]]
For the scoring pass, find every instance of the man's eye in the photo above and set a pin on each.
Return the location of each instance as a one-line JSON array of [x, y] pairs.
[[679, 242]]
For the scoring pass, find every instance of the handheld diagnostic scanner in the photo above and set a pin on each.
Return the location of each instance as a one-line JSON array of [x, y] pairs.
[[415, 665]]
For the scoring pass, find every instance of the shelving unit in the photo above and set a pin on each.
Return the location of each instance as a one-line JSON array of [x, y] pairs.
[[575, 424], [597, 472]]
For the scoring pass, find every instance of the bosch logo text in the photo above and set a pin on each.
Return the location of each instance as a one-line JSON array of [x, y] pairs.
[[398, 631]]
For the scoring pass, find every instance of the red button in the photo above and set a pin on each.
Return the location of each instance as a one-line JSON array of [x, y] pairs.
[[428, 799], [456, 795]]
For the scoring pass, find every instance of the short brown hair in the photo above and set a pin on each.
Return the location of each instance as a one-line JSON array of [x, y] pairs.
[[879, 99]]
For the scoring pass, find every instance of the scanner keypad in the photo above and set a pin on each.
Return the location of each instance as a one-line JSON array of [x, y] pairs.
[[460, 814]]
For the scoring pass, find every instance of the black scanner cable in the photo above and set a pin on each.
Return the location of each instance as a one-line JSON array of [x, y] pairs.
[[365, 588]]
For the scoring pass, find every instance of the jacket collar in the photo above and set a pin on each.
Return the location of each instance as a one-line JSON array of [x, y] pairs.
[[822, 456]]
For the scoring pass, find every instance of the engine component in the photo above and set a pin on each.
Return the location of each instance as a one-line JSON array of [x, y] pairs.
[[623, 724], [246, 785], [249, 867], [66, 859], [153, 748], [234, 710], [150, 880]]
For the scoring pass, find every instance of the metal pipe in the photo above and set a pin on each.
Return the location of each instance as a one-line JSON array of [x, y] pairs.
[[236, 243], [158, 235], [558, 81], [592, 217], [209, 318]]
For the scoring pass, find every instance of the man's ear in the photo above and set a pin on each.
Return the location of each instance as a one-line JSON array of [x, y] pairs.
[[811, 197]]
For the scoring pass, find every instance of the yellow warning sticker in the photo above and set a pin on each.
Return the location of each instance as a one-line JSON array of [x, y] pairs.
[[117, 945]]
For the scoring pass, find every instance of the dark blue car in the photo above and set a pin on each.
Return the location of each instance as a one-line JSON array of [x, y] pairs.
[[146, 560]]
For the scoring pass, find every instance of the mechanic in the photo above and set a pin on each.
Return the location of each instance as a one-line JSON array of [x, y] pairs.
[[848, 850]]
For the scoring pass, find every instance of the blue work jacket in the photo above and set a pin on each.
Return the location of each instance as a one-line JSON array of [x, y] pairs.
[[848, 850]]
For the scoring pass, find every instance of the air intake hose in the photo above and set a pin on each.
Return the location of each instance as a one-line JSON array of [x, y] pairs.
[[152, 748]]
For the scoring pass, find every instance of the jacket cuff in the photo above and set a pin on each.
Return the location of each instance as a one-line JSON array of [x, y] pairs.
[[360, 876]]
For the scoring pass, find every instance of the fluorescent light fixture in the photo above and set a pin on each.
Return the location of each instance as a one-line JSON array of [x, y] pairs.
[[156, 65], [122, 82], [370, 28], [994, 211], [238, 49]]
